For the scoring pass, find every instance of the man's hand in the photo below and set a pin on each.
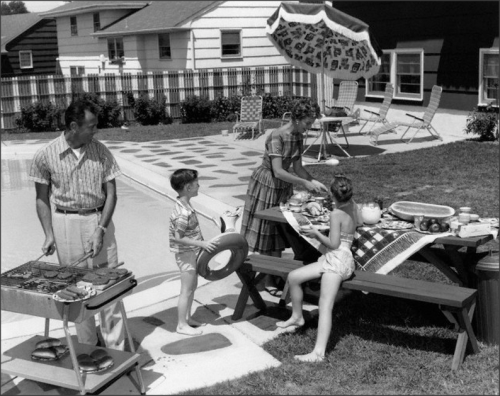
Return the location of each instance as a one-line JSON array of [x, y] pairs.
[[49, 246], [95, 242]]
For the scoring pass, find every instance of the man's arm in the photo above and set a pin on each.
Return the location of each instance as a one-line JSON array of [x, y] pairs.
[[95, 242], [45, 216]]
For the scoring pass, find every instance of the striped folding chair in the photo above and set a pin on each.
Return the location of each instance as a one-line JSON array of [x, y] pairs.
[[418, 123], [250, 117], [381, 115]]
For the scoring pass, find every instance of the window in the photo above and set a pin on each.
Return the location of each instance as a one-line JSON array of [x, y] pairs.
[[97, 22], [164, 46], [76, 70], [404, 68], [115, 48], [25, 60], [230, 43], [74, 27], [488, 76]]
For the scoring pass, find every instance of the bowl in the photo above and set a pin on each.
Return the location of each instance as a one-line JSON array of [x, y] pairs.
[[474, 217]]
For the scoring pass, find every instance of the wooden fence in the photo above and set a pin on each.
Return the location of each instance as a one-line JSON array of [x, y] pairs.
[[19, 92]]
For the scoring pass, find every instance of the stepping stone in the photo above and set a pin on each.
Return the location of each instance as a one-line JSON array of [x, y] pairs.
[[191, 162], [215, 156], [151, 147], [197, 344], [207, 178], [163, 164], [131, 151], [184, 157], [251, 153], [226, 172], [245, 164], [206, 166]]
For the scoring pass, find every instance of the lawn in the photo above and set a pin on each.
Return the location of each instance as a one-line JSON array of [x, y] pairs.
[[378, 345]]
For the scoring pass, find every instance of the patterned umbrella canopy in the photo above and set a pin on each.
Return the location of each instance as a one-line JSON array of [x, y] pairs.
[[322, 39]]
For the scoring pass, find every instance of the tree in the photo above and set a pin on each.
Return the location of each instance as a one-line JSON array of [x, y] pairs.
[[14, 7]]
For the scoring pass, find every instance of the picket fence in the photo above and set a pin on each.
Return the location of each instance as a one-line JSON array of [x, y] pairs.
[[19, 92]]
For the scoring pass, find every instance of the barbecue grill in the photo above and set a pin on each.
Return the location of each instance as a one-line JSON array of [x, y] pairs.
[[33, 296]]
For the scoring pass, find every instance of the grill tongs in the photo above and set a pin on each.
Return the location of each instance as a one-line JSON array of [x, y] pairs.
[[80, 260]]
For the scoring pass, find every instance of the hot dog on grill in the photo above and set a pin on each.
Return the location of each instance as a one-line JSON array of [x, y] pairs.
[[76, 290], [48, 342]]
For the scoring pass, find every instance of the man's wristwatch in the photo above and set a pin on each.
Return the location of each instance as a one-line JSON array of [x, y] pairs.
[[104, 229]]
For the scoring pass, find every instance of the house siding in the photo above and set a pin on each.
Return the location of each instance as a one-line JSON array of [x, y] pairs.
[[450, 33], [84, 49], [41, 40]]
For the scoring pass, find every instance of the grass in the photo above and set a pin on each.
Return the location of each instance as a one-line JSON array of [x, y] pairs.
[[378, 345]]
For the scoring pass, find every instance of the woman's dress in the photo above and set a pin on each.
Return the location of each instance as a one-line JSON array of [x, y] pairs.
[[265, 191]]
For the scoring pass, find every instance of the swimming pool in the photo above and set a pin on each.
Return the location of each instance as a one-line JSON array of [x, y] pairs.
[[141, 220]]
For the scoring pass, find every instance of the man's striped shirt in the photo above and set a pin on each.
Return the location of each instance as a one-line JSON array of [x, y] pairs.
[[74, 183]]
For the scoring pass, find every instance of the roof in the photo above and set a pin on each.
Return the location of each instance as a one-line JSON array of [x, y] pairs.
[[158, 16], [14, 25], [80, 7]]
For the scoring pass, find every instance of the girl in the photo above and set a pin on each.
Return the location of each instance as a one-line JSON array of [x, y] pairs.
[[335, 266]]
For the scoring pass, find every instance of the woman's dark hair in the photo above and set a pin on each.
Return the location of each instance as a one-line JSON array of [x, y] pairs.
[[76, 112], [341, 188], [303, 108], [181, 177]]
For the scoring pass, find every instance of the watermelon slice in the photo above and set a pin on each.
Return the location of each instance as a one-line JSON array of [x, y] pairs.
[[406, 210]]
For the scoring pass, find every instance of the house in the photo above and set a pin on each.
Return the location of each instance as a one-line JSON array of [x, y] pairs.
[[451, 44], [128, 36], [29, 45], [425, 43]]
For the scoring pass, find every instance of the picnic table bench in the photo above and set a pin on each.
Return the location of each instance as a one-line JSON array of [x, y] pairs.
[[456, 303]]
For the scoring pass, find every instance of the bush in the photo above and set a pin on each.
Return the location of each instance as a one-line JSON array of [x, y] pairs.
[[195, 109], [108, 111], [225, 109], [149, 111], [40, 117], [483, 122]]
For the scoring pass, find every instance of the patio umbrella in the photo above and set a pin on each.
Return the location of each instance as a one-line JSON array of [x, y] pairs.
[[324, 40]]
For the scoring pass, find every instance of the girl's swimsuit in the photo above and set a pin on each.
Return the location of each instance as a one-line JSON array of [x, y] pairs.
[[339, 261]]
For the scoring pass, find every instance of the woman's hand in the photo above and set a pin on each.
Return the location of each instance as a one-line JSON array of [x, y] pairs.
[[315, 186]]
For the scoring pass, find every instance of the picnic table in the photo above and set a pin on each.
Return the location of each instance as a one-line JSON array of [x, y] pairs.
[[453, 264], [457, 303]]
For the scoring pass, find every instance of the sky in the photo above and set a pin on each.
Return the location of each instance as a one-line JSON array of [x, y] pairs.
[[41, 6]]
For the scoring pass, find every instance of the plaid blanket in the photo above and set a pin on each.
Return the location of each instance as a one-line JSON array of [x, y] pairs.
[[375, 249]]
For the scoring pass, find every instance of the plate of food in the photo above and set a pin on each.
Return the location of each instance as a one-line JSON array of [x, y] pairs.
[[396, 225], [74, 294], [320, 226], [323, 212]]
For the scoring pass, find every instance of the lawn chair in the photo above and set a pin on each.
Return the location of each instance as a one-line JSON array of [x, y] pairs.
[[382, 114], [250, 116], [418, 123]]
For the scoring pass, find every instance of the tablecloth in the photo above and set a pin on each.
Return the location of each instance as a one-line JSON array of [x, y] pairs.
[[374, 249]]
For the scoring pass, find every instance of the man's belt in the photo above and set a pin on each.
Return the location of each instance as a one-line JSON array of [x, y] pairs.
[[79, 211]]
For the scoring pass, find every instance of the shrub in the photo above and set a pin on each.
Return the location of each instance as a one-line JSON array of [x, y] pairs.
[[483, 122], [195, 109], [108, 111], [225, 109], [149, 111], [40, 117]]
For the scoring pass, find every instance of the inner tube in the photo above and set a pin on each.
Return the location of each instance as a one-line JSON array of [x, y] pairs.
[[237, 247]]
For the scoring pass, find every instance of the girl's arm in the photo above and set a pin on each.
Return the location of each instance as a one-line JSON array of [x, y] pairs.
[[333, 241]]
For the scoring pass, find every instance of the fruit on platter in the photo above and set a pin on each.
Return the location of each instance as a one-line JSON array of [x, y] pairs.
[[406, 210], [434, 225]]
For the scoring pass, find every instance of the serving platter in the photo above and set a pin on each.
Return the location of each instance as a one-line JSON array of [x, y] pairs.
[[90, 292]]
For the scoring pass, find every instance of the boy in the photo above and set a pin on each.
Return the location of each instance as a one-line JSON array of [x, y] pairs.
[[186, 241]]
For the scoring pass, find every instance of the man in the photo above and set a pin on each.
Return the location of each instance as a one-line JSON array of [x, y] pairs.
[[75, 186]]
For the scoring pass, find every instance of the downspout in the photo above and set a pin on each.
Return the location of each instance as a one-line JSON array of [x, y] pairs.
[[191, 33]]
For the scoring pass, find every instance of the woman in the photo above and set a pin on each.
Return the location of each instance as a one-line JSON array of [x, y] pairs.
[[271, 183]]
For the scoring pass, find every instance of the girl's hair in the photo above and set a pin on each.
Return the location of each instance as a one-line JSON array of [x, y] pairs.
[[303, 108], [181, 177], [341, 188]]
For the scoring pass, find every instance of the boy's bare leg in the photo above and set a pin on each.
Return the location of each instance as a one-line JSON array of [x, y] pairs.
[[189, 281]]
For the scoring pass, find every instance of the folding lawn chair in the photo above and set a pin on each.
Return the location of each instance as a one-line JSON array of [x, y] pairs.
[[250, 116], [418, 123], [382, 113]]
